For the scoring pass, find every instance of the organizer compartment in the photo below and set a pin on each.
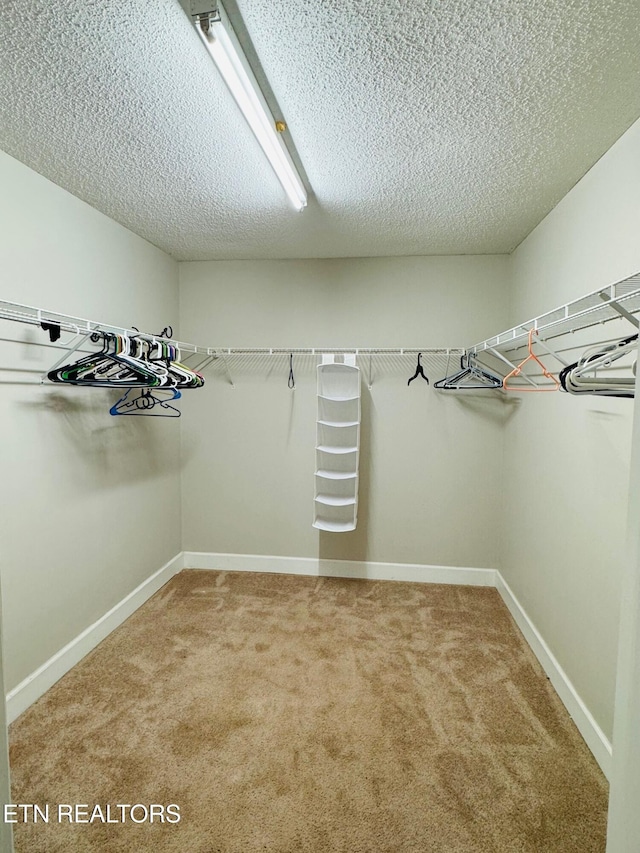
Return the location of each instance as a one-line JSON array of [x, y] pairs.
[[339, 413], [336, 492], [337, 439], [335, 519], [339, 382]]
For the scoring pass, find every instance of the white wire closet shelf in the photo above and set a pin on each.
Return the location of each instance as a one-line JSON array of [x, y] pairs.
[[357, 351], [621, 299], [28, 314], [16, 312], [80, 338]]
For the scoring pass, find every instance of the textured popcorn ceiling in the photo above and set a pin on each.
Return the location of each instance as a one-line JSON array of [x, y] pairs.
[[423, 126]]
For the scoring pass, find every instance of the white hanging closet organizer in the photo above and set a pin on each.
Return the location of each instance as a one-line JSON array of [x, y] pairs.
[[337, 444]]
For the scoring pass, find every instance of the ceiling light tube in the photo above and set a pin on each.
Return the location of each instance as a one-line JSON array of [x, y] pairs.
[[217, 34]]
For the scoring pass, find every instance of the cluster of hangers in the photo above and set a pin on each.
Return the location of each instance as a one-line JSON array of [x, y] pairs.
[[471, 376], [581, 377], [149, 370]]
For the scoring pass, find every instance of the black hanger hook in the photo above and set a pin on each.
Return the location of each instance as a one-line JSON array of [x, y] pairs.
[[419, 372]]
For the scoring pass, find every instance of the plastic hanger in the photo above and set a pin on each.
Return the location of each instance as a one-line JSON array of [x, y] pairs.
[[582, 378], [110, 366], [419, 372], [518, 370], [147, 403], [164, 353], [470, 377], [120, 363]]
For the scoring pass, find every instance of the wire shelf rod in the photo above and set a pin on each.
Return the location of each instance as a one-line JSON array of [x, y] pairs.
[[573, 316], [338, 350]]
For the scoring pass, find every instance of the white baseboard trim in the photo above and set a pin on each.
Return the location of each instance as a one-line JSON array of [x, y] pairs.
[[36, 684], [593, 735], [339, 568]]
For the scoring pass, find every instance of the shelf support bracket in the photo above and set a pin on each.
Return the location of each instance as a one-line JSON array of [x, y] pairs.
[[544, 346], [82, 337], [226, 367], [511, 365], [200, 366], [622, 311]]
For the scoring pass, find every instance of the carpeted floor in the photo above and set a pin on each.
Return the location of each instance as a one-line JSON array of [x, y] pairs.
[[286, 713]]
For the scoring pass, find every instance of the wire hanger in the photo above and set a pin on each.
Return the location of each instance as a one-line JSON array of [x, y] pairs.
[[419, 372], [518, 370]]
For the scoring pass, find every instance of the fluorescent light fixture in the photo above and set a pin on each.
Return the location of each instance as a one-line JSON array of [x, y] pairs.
[[216, 32]]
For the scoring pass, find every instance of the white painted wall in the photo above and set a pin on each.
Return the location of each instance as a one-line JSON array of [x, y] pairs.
[[567, 459], [91, 503], [624, 815], [431, 464]]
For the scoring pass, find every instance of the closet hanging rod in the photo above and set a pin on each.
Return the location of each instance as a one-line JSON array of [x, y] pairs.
[[600, 306], [338, 350]]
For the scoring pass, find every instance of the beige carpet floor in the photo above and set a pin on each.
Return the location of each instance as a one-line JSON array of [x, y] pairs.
[[286, 713]]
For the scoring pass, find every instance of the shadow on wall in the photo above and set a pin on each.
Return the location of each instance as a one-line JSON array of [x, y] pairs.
[[112, 449], [355, 545], [495, 406]]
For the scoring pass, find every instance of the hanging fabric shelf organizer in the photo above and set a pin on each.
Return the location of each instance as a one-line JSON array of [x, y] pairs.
[[337, 444]]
